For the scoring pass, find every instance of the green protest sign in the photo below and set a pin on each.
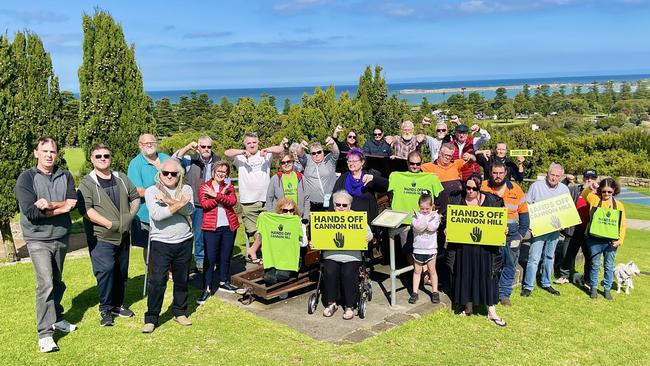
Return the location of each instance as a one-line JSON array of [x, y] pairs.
[[553, 214], [521, 153]]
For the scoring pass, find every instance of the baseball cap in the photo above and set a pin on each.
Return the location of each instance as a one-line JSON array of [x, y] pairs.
[[590, 173], [462, 128]]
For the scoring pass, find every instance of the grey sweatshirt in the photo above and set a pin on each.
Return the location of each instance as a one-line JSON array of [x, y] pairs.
[[540, 191], [165, 227]]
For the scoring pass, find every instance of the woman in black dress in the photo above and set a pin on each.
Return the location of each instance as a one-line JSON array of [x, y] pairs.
[[476, 267]]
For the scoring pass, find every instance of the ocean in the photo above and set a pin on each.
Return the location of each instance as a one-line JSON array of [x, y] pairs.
[[295, 93]]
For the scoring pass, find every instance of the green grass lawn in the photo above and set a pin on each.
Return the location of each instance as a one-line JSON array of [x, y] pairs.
[[74, 156], [570, 329], [637, 211]]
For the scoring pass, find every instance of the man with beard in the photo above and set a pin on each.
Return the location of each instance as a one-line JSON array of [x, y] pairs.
[[514, 171], [142, 172], [406, 142], [198, 169], [518, 223]]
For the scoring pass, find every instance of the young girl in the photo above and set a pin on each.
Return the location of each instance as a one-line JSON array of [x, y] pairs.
[[425, 246]]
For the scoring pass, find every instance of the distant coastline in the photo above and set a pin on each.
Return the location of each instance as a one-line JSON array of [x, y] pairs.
[[434, 91]]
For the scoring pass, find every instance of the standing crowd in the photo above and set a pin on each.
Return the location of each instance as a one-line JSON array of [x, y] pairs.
[[182, 209]]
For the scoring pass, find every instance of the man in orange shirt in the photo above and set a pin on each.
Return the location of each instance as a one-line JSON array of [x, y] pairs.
[[518, 223]]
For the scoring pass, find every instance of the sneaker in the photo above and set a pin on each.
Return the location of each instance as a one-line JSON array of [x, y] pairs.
[[205, 295], [587, 286], [608, 295], [106, 319], [414, 298], [594, 293], [561, 281], [505, 301], [148, 328], [47, 344], [551, 290], [64, 326], [525, 293], [183, 320], [122, 312], [435, 298], [227, 287]]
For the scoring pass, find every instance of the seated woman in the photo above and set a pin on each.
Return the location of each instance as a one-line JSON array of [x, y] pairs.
[[288, 183], [284, 206], [341, 269], [476, 267]]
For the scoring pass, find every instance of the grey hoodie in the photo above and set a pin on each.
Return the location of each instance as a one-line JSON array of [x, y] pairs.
[[92, 195]]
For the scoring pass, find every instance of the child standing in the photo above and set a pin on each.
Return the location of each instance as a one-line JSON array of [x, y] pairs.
[[425, 246]]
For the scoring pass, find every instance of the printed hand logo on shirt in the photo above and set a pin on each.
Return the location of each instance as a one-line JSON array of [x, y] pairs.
[[476, 234], [339, 240], [280, 227], [413, 184]]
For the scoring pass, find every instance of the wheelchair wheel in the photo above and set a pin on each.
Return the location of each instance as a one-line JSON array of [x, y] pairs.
[[312, 303], [369, 291], [361, 311]]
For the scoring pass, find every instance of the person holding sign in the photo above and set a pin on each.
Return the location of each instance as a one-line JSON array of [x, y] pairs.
[[425, 246], [606, 231], [486, 159], [283, 234], [287, 183], [341, 267], [476, 267], [543, 244]]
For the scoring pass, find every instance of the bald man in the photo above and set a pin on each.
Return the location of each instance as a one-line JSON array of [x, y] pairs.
[[142, 173]]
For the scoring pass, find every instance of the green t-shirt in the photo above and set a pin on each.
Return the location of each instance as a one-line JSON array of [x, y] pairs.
[[281, 237], [407, 187], [290, 186]]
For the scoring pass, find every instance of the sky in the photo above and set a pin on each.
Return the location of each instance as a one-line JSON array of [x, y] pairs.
[[273, 43]]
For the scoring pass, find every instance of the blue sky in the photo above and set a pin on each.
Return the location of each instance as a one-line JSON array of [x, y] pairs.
[[227, 44]]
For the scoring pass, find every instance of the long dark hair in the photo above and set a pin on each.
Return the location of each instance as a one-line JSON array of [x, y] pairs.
[[611, 183]]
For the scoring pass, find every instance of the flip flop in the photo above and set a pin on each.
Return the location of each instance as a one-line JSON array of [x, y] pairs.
[[348, 314], [330, 310], [498, 321], [250, 259]]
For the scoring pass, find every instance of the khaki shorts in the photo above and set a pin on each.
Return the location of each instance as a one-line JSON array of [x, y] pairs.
[[250, 212]]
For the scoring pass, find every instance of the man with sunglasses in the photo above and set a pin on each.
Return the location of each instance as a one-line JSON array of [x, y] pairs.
[[108, 201], [142, 172], [198, 169], [378, 145], [434, 143]]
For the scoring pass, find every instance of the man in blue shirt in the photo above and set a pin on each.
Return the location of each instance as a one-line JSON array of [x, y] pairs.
[[142, 173]]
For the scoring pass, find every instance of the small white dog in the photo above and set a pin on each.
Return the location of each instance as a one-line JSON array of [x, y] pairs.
[[624, 273]]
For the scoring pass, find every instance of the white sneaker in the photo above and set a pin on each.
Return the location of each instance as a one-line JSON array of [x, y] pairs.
[[64, 326], [47, 344], [561, 281]]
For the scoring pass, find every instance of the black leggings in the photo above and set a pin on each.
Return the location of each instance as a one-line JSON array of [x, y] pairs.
[[340, 279]]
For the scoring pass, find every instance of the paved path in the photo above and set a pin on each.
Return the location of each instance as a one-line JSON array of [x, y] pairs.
[[627, 195]]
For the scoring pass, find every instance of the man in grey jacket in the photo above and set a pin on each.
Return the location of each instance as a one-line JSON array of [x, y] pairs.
[[46, 195], [109, 201]]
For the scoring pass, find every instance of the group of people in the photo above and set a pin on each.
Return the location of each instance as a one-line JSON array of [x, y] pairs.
[[182, 207]]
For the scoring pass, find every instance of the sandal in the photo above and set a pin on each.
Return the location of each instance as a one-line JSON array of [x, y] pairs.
[[498, 321], [252, 260], [348, 314], [330, 310]]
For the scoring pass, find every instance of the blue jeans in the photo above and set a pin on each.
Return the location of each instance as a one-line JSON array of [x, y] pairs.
[[544, 244], [598, 246], [197, 219], [218, 244], [510, 259]]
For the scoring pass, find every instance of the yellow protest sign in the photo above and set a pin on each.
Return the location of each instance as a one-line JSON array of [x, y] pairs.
[[339, 230], [477, 225], [521, 152], [553, 214]]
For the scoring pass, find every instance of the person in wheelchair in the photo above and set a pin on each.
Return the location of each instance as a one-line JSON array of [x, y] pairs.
[[341, 269], [272, 275]]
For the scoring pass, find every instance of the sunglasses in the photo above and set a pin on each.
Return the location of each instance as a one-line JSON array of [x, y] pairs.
[[105, 156], [415, 163], [353, 161], [441, 130], [344, 205], [286, 162], [352, 137], [288, 210], [168, 173], [317, 152], [377, 134], [205, 146], [475, 189], [608, 192]]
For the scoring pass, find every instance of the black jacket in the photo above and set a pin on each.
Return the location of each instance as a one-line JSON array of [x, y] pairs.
[[511, 168]]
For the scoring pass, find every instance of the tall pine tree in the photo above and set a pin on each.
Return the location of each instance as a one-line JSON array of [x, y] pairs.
[[114, 109]]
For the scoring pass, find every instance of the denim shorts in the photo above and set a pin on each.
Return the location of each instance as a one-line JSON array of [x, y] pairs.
[[423, 258]]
